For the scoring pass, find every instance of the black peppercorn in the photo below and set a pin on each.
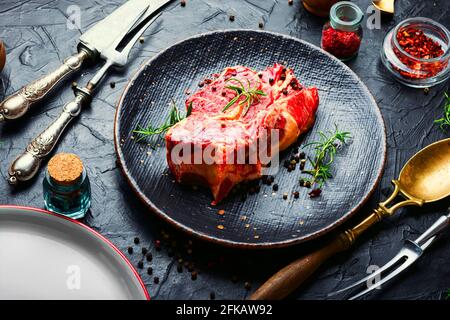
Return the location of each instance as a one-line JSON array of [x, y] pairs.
[[302, 155], [144, 251], [261, 25], [308, 184], [271, 81], [150, 271], [260, 75], [156, 280], [149, 256], [212, 295], [183, 3], [296, 194], [232, 18], [285, 92], [285, 196], [140, 264], [247, 285], [130, 250], [112, 84], [290, 2], [275, 187], [302, 182]]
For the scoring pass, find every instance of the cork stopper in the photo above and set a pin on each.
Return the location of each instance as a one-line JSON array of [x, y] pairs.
[[65, 169]]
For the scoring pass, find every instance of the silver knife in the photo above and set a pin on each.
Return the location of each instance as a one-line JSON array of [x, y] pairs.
[[90, 48], [26, 165], [411, 251]]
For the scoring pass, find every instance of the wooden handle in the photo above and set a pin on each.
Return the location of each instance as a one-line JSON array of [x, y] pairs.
[[16, 105], [293, 275]]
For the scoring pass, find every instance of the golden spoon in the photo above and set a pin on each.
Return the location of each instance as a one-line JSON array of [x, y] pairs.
[[386, 6], [424, 178]]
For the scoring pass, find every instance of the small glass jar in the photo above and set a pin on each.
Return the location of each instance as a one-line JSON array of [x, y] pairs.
[[412, 70], [66, 187], [342, 35]]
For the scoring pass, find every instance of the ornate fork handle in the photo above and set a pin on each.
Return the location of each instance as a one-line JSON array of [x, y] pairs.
[[27, 164], [16, 105]]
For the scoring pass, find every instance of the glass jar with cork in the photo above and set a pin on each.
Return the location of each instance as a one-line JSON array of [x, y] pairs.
[[66, 186]]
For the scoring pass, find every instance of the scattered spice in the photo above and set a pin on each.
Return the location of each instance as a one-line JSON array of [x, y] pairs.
[[156, 280], [341, 44], [426, 91], [130, 250], [232, 17], [183, 3], [140, 264], [149, 256], [141, 39], [212, 295], [144, 251], [261, 25], [315, 193], [112, 84], [149, 271], [194, 275], [74, 85], [221, 212], [136, 240], [275, 187], [220, 227], [285, 195], [290, 2], [296, 194]]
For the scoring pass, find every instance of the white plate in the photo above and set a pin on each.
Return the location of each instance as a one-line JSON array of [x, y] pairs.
[[48, 256]]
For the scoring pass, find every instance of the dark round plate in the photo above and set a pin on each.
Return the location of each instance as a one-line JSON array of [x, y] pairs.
[[264, 219]]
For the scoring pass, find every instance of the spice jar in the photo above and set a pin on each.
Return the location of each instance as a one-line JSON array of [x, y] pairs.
[[66, 186], [320, 8], [416, 52], [342, 35]]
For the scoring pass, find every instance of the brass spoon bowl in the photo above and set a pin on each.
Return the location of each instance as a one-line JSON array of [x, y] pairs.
[[386, 6], [424, 178]]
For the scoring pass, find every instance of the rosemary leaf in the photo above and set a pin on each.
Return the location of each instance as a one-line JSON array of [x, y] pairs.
[[325, 150], [444, 122], [250, 94]]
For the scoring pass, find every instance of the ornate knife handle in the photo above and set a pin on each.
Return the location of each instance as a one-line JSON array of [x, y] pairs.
[[16, 105], [27, 164]]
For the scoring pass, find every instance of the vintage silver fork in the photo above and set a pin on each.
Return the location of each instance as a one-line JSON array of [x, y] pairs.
[[411, 251], [26, 165]]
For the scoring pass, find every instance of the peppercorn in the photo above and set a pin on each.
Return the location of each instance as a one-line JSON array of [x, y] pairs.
[[260, 75], [130, 250], [232, 18], [144, 251], [156, 280], [194, 275], [74, 85], [136, 240], [183, 3], [293, 162], [285, 92], [283, 77], [426, 91], [271, 81], [112, 84], [290, 2], [315, 193], [201, 84], [275, 187], [261, 25], [140, 264], [296, 194], [308, 184], [286, 163], [149, 256], [149, 271], [302, 155], [285, 195], [247, 285], [212, 295], [141, 40], [213, 89]]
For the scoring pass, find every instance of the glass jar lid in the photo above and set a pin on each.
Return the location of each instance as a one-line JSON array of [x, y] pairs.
[[346, 16]]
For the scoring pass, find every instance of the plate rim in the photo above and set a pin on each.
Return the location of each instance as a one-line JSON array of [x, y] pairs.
[[229, 243], [90, 230]]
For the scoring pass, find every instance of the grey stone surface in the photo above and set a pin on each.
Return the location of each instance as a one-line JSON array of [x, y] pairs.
[[38, 39]]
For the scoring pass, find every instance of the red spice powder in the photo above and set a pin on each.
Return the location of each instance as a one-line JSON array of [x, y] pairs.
[[341, 44]]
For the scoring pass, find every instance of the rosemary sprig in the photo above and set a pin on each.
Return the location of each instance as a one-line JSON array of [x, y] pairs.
[[174, 117], [250, 95], [325, 151], [444, 122], [448, 294]]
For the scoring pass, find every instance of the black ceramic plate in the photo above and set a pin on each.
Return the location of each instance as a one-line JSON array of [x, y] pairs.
[[264, 219]]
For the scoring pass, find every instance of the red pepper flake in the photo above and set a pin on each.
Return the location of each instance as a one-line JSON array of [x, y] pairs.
[[341, 44], [417, 44]]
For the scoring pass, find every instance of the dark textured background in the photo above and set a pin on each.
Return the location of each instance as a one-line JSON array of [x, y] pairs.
[[38, 40]]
